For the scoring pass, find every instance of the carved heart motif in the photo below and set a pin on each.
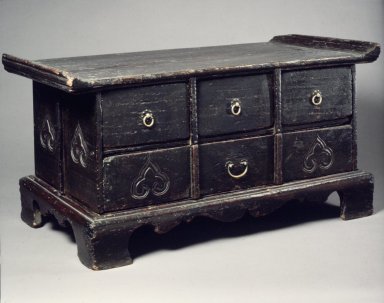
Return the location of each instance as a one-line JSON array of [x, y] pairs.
[[150, 180], [47, 135], [79, 148], [319, 156]]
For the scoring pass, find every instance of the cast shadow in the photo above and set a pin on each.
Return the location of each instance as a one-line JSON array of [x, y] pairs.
[[145, 241], [51, 222], [370, 141]]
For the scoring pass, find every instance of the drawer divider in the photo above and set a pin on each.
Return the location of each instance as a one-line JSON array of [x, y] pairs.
[[278, 148], [354, 116]]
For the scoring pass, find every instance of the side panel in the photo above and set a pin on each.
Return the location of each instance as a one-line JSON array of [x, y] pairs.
[[82, 155], [48, 134]]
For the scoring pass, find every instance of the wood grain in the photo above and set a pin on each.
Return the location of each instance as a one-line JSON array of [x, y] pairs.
[[106, 170], [254, 94], [123, 112], [214, 159], [335, 86], [48, 134], [146, 178], [318, 152], [81, 179], [102, 240], [93, 72]]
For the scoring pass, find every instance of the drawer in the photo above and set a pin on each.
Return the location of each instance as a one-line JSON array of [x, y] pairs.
[[236, 164], [139, 179], [145, 115], [234, 104], [315, 153], [316, 95]]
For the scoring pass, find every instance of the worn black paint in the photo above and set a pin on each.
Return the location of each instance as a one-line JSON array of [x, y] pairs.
[[254, 93], [214, 176], [193, 137], [47, 117], [102, 240], [95, 72], [82, 182], [297, 145], [123, 112], [122, 172], [335, 85]]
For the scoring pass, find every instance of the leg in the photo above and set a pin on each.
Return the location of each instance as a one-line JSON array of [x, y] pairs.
[[356, 201], [30, 211], [101, 247]]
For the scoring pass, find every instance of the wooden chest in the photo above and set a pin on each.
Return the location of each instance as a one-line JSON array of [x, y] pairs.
[[160, 137]]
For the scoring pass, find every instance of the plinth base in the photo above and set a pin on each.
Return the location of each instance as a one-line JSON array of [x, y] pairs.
[[102, 240]]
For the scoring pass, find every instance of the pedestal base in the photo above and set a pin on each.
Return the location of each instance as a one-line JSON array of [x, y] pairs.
[[102, 240]]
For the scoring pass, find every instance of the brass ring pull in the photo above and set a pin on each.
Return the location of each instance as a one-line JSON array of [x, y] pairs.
[[148, 119], [230, 165], [317, 98], [235, 107]]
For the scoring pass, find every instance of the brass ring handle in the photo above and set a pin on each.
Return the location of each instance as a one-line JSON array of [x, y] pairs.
[[317, 98], [148, 119], [235, 107], [230, 165]]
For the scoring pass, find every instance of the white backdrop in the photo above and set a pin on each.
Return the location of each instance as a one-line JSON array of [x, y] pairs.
[[300, 254]]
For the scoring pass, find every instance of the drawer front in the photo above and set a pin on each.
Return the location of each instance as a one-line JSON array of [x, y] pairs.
[[139, 179], [315, 153], [234, 104], [316, 95], [145, 115], [236, 164]]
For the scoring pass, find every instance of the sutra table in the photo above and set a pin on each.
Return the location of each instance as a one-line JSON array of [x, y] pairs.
[[161, 137]]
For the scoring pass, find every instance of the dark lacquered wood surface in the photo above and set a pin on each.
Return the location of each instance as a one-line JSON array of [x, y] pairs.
[[125, 110], [236, 164], [334, 86], [92, 72], [235, 104], [317, 152], [161, 137], [146, 178]]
